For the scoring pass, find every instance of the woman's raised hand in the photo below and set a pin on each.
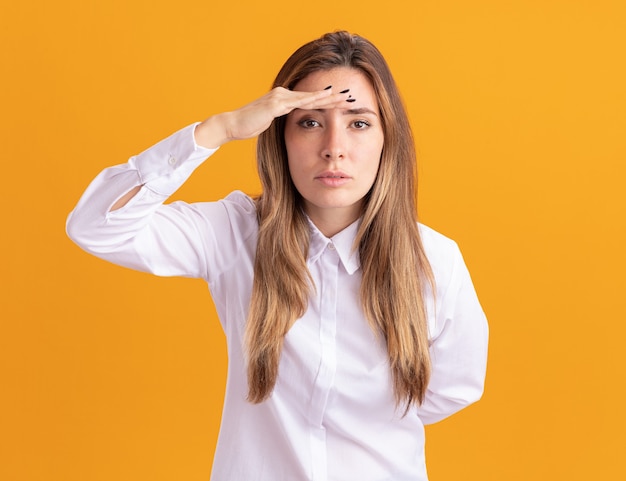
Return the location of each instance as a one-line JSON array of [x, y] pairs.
[[255, 117]]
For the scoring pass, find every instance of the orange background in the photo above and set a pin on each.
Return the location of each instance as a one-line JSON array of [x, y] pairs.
[[519, 111]]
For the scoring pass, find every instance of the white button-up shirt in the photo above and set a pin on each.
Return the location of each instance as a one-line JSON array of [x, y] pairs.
[[332, 415]]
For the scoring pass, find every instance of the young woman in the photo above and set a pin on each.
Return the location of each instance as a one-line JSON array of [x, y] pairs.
[[349, 325]]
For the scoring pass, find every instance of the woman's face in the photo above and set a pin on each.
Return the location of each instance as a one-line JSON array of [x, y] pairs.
[[334, 154]]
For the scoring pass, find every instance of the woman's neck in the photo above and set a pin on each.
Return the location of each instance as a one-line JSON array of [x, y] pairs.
[[331, 221]]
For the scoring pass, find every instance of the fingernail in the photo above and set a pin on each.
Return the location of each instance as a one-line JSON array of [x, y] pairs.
[[328, 87], [350, 100], [345, 91]]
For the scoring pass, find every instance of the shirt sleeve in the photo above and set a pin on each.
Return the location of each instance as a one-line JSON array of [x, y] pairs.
[[145, 234], [458, 348]]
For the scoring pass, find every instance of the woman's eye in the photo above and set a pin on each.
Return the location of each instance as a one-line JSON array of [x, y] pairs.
[[360, 124], [309, 123]]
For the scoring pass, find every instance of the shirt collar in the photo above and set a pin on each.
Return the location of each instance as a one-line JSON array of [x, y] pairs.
[[342, 243]]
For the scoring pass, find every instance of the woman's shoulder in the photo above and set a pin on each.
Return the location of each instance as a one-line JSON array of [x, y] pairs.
[[240, 201], [240, 209], [233, 215], [442, 252], [445, 259], [435, 242]]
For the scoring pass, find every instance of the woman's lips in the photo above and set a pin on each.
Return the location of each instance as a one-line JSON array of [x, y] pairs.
[[333, 179]]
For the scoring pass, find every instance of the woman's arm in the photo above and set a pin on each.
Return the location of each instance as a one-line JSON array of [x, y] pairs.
[[250, 120], [458, 349], [210, 134], [121, 216]]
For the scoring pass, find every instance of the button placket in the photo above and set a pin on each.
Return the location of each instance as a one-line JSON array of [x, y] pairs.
[[329, 263]]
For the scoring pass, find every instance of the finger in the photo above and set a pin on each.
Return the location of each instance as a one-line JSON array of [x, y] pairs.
[[322, 100], [342, 102], [298, 100]]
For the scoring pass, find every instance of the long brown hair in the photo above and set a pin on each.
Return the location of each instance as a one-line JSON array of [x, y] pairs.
[[395, 271]]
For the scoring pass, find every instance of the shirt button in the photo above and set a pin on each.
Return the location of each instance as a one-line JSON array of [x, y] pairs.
[[331, 246], [172, 160]]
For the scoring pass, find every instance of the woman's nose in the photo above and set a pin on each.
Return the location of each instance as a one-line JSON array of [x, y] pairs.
[[334, 144]]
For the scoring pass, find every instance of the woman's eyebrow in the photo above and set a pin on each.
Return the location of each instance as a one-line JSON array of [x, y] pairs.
[[360, 111]]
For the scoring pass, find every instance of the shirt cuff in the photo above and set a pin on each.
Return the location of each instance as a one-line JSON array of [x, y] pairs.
[[164, 167]]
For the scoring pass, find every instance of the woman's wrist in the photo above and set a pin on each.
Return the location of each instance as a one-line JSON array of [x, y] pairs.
[[213, 132]]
